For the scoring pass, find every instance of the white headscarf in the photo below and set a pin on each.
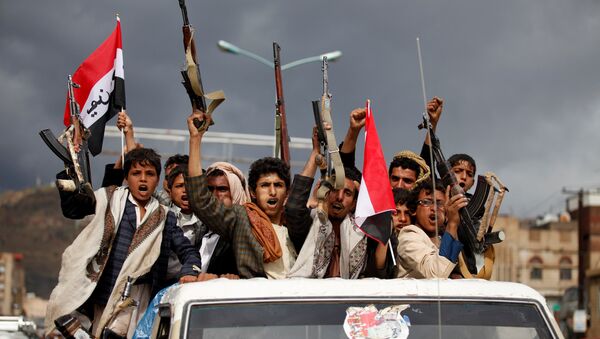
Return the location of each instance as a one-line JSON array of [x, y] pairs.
[[237, 181]]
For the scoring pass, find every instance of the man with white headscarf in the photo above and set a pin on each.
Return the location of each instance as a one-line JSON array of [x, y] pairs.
[[228, 184]]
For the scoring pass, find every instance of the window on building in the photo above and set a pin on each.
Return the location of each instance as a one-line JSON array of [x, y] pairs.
[[535, 265], [564, 236], [535, 235], [565, 266]]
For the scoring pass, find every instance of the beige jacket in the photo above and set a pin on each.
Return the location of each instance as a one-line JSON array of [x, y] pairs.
[[418, 256]]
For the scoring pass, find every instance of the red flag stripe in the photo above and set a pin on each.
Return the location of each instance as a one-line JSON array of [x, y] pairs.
[[375, 197], [95, 67]]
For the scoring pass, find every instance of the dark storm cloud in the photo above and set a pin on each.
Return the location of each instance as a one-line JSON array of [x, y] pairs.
[[520, 79]]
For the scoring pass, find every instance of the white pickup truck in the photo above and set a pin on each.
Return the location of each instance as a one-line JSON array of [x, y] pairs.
[[367, 308]]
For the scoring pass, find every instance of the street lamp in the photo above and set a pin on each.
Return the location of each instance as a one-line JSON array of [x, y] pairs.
[[233, 49]]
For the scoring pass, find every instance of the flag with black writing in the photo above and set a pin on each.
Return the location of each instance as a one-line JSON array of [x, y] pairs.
[[101, 94]]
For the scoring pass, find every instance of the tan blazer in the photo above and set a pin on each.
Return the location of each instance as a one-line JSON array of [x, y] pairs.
[[418, 256]]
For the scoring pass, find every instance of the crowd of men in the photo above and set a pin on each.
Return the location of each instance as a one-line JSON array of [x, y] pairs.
[[213, 222]]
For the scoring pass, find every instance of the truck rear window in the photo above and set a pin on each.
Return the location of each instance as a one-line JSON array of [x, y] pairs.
[[326, 320]]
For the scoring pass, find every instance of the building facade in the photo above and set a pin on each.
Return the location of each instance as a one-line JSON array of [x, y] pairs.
[[12, 284], [541, 255]]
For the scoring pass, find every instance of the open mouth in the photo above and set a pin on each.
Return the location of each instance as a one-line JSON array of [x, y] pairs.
[[184, 198], [462, 184], [432, 218], [337, 206], [143, 188], [272, 202]]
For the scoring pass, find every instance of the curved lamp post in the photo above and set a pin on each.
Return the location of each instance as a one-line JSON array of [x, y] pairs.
[[233, 49]]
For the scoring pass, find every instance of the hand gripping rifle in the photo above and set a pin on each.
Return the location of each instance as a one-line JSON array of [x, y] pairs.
[[469, 232], [282, 142], [334, 168], [192, 81], [76, 159]]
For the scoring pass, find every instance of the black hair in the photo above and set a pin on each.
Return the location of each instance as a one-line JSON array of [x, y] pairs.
[[427, 186], [268, 165], [353, 174], [175, 172], [179, 159], [456, 158], [405, 163], [402, 196], [217, 172], [142, 156]]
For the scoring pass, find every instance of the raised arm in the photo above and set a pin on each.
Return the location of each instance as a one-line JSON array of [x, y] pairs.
[[125, 124], [298, 220], [219, 218], [434, 110], [195, 161], [358, 118]]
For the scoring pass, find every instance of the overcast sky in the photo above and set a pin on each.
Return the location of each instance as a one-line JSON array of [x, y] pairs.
[[520, 79]]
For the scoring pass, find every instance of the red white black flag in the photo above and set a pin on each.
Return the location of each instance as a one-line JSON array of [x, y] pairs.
[[375, 200], [102, 92]]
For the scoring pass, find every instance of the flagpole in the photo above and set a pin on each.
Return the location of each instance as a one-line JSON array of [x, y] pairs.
[[122, 144]]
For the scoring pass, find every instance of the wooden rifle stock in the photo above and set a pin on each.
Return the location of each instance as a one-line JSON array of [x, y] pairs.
[[320, 160], [282, 146], [192, 80]]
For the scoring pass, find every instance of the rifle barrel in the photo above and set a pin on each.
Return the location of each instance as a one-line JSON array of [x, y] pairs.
[[186, 22]]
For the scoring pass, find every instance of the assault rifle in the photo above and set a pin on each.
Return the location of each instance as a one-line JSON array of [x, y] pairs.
[[334, 173], [192, 81], [282, 142], [468, 232], [75, 154], [323, 160]]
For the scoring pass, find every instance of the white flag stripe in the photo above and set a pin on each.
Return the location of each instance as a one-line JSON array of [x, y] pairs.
[[364, 207], [119, 68], [97, 103], [100, 93]]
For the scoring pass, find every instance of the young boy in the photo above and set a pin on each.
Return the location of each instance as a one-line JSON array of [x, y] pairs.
[[130, 236]]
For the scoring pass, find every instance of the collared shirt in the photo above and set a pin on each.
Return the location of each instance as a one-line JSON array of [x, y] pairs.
[[150, 206], [207, 248], [187, 222], [190, 225]]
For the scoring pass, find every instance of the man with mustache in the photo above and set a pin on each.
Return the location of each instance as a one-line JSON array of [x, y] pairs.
[[129, 236], [228, 184], [337, 248], [261, 243], [421, 252]]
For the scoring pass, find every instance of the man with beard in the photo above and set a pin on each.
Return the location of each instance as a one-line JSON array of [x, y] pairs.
[[228, 184], [421, 252], [337, 248], [261, 243], [130, 236]]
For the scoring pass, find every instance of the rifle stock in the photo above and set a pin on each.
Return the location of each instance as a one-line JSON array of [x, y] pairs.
[[192, 80], [282, 146], [77, 163]]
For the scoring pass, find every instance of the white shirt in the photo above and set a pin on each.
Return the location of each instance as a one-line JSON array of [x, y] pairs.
[[209, 243], [150, 207], [280, 268]]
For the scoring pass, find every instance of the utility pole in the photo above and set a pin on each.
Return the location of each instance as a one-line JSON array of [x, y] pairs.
[[583, 246]]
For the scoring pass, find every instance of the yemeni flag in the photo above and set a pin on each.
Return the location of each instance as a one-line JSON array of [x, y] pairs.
[[101, 94], [375, 200]]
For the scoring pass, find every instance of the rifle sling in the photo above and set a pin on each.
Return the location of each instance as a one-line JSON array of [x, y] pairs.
[[216, 97]]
